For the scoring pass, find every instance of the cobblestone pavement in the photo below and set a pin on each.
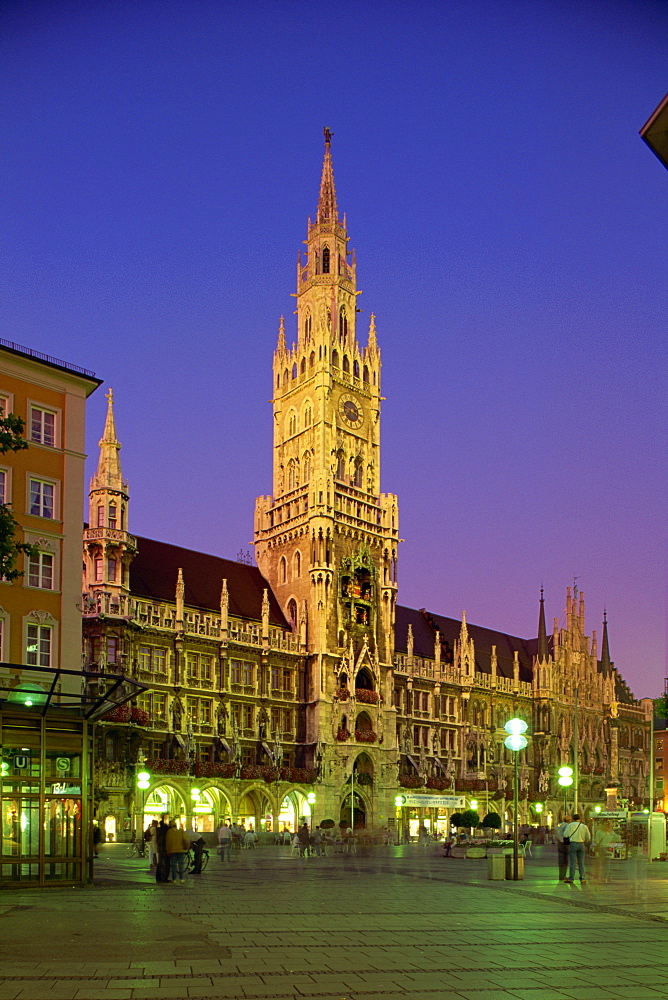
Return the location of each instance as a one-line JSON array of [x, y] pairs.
[[396, 922]]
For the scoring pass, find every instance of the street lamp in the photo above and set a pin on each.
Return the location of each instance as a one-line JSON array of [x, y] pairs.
[[565, 779], [515, 741], [143, 782], [310, 798], [399, 802]]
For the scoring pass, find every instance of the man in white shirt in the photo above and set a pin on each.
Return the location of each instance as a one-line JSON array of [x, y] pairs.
[[578, 835], [562, 849]]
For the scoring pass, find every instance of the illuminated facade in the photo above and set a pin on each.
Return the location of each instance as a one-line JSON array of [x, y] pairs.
[[303, 674]]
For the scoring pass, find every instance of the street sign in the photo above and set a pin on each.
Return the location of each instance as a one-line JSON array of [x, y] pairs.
[[440, 801]]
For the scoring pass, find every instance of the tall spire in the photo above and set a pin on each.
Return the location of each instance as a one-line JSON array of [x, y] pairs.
[[542, 631], [108, 474], [327, 211], [606, 663]]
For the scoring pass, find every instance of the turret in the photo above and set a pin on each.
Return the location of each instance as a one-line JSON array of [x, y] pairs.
[[108, 547]]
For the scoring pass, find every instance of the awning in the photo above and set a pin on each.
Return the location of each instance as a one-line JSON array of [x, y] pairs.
[[180, 740], [413, 762], [42, 688], [269, 752], [441, 765], [224, 744]]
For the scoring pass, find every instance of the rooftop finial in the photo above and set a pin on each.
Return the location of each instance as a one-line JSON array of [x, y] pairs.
[[327, 211]]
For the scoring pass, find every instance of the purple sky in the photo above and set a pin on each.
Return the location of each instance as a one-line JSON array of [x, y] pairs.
[[158, 162]]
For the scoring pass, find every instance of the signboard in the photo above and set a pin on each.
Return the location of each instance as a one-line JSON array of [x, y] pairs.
[[439, 801], [611, 814], [64, 788]]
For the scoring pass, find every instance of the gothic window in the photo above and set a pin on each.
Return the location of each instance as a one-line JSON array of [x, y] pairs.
[[307, 325], [317, 262], [285, 377], [292, 423], [308, 415], [311, 359], [343, 324], [340, 466], [112, 515], [357, 477], [111, 570], [294, 370], [292, 613], [283, 570], [278, 381], [335, 359], [356, 369], [293, 474], [365, 374], [100, 516], [297, 564], [346, 364], [325, 260], [306, 466], [302, 367]]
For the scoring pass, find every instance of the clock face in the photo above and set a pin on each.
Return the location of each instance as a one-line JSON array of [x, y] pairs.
[[351, 411]]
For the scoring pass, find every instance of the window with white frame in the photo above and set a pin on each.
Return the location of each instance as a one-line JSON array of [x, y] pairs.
[[42, 426], [235, 671], [5, 407], [248, 674], [42, 498], [4, 486], [248, 716], [40, 570], [38, 645]]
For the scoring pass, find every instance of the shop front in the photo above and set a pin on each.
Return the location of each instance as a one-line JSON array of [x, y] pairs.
[[47, 720]]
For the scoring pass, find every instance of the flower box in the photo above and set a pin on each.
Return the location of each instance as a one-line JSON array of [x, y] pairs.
[[410, 781], [159, 765], [365, 736], [366, 696], [214, 769], [342, 735]]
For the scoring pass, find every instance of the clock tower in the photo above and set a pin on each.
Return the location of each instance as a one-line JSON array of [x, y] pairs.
[[327, 539]]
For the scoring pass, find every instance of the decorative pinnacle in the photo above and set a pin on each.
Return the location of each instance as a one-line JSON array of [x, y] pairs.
[[327, 210]]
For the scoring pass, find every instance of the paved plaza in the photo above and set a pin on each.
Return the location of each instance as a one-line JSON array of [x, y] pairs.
[[397, 922]]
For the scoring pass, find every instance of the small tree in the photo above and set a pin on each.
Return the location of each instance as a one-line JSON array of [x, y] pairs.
[[471, 819], [457, 820], [492, 821]]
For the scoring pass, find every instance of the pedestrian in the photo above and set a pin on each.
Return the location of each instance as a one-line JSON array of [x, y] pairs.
[[224, 834], [177, 847], [97, 839], [562, 849], [162, 862], [304, 840], [576, 834], [152, 843]]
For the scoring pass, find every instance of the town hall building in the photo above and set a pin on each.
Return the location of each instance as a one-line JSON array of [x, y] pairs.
[[298, 687]]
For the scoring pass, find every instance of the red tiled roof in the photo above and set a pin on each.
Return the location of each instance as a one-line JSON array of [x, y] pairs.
[[154, 572]]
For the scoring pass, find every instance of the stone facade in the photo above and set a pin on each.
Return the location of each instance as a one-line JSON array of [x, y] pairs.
[[304, 674]]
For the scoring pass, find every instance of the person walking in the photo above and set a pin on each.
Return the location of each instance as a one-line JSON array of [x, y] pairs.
[[162, 862], [577, 835], [562, 849], [151, 838], [197, 844], [176, 846], [224, 833]]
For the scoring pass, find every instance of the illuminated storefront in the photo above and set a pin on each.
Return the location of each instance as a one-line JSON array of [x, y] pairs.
[[47, 721]]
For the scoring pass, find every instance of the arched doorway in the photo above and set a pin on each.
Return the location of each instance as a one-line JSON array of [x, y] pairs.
[[163, 800], [358, 820]]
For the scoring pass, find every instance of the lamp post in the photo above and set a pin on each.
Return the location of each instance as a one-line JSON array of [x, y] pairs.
[[399, 802], [310, 798], [565, 779], [143, 782], [515, 741]]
